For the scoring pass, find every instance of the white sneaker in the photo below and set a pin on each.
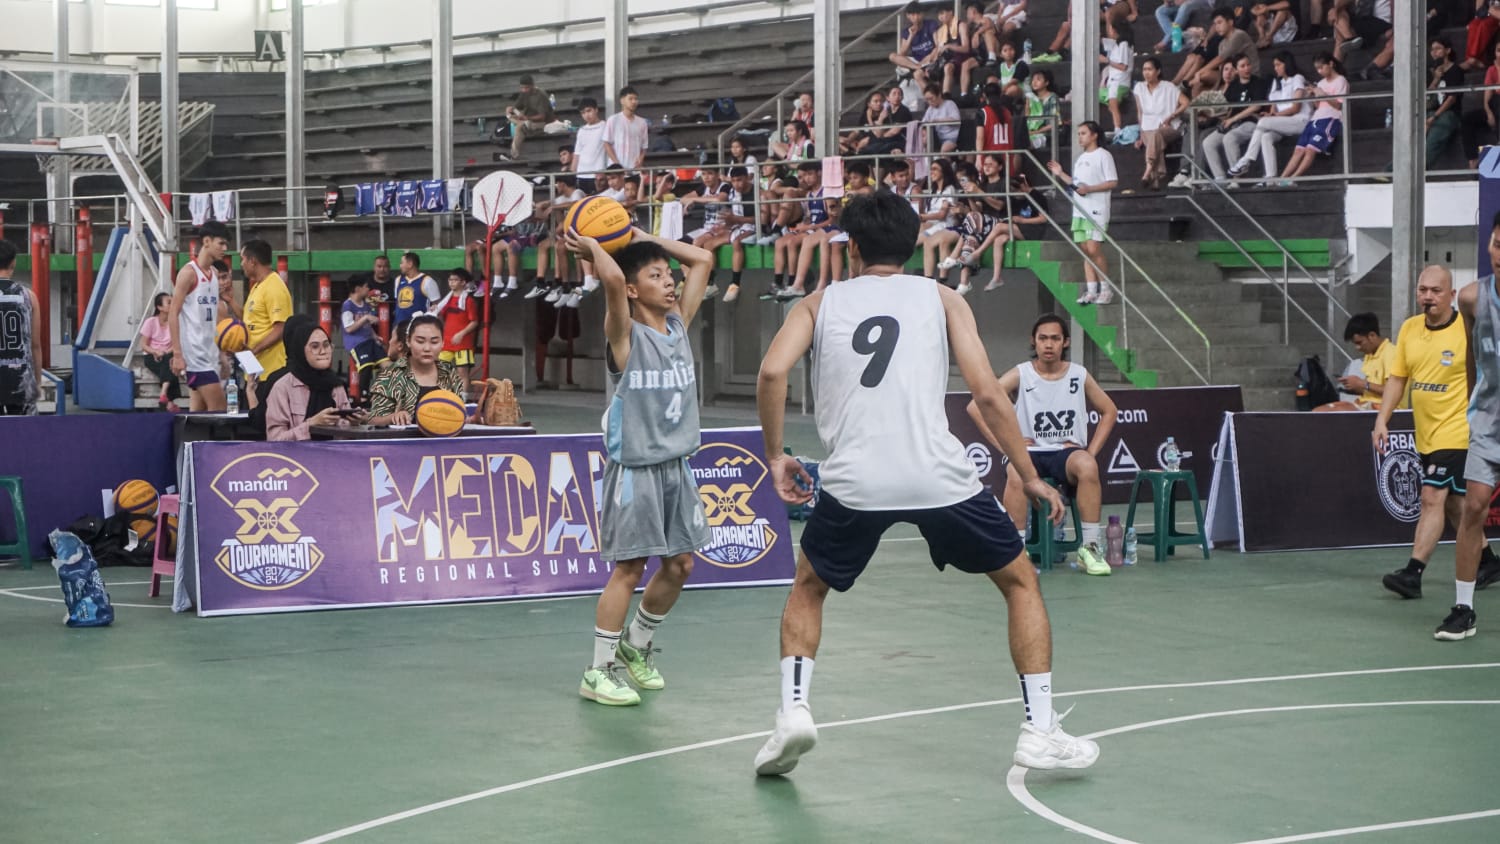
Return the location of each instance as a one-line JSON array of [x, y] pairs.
[[1047, 751], [535, 292], [1104, 297], [553, 295], [995, 284], [947, 264], [571, 300], [711, 291], [1182, 181], [1086, 299], [963, 288], [732, 293], [795, 735]]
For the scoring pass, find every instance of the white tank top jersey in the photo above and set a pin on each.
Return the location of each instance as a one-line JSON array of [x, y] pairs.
[[1053, 413], [198, 324], [880, 371]]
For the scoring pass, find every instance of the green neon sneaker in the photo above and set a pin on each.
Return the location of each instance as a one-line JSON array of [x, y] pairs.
[[1093, 559], [607, 686], [640, 665]]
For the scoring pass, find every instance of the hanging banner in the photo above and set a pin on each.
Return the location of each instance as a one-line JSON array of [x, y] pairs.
[[302, 526], [1304, 481], [1143, 421]]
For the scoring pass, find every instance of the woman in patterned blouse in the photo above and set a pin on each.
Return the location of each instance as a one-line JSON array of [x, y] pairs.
[[393, 399]]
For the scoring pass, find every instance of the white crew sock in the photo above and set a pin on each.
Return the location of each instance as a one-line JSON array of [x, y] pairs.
[[511, 283], [590, 282], [495, 281], [643, 627], [1092, 287], [1465, 593], [604, 646], [1090, 532], [796, 681], [1036, 691]]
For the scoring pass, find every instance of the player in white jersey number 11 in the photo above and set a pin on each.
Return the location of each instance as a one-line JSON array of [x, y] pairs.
[[881, 344]]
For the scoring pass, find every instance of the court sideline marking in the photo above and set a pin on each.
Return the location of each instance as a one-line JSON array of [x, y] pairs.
[[913, 713], [1015, 779]]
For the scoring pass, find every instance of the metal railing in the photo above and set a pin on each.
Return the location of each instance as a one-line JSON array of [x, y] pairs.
[[1346, 139], [1287, 260]]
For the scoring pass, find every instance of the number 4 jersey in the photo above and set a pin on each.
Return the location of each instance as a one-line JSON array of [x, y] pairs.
[[653, 414], [880, 371], [1053, 412]]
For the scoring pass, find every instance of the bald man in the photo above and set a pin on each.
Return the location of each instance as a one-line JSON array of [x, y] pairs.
[[1432, 353]]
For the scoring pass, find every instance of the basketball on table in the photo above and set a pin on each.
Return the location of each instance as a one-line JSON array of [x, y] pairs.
[[137, 498], [603, 219], [233, 336], [441, 413]]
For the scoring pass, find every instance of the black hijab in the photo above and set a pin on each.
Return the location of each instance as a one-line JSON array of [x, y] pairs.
[[320, 382]]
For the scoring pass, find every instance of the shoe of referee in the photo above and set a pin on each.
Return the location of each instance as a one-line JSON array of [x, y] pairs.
[[1404, 582]]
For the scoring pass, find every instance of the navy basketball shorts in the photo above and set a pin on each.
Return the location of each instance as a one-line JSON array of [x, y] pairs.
[[199, 380], [974, 535], [1053, 466]]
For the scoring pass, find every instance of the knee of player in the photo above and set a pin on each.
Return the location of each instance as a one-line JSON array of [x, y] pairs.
[[1085, 468], [679, 567], [1476, 503], [630, 571]]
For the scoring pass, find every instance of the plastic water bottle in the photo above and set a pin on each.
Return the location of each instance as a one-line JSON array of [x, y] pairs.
[[1114, 543], [1026, 51], [1131, 546], [1176, 38], [552, 100], [1171, 455], [232, 396], [1387, 118], [666, 120]]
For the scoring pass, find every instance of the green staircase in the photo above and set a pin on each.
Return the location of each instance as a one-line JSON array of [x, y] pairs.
[[1028, 255]]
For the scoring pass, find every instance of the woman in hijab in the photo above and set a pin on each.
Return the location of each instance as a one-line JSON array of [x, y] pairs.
[[310, 393]]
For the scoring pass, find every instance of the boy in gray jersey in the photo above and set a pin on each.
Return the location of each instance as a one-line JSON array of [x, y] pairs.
[[1480, 305], [650, 505]]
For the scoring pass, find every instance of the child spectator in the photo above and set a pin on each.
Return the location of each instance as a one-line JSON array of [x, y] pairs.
[[357, 319], [1327, 118], [1041, 109], [157, 346], [1118, 62], [1010, 66], [738, 227], [918, 43], [626, 133], [460, 312], [1093, 177], [589, 156]]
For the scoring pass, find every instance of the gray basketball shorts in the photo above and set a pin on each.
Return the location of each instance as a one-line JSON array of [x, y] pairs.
[[1478, 470], [650, 511]]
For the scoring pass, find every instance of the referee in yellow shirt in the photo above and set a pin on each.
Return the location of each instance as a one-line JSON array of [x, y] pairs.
[[1432, 354]]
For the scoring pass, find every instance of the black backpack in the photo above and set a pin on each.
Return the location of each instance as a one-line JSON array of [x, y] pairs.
[[1314, 387], [109, 540], [723, 110]]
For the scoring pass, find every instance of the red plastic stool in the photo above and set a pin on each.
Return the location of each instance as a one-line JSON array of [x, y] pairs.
[[161, 562]]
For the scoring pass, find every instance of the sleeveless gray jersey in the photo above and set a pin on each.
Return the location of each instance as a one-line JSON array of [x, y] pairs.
[[18, 384], [653, 414], [1484, 403]]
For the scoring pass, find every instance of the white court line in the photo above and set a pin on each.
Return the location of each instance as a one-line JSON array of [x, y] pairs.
[[1354, 830], [14, 594], [1015, 779], [913, 713]]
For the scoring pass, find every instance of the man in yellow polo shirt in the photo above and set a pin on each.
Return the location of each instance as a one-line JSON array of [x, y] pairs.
[[1363, 332], [1432, 353], [267, 307]]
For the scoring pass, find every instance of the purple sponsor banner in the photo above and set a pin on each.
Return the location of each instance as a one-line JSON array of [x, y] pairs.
[[1143, 421], [301, 526], [70, 464]]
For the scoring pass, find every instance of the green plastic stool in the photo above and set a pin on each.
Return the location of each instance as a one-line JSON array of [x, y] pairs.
[[1165, 538], [1044, 547], [21, 547]]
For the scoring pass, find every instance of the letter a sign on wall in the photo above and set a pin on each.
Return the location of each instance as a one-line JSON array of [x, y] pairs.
[[268, 46]]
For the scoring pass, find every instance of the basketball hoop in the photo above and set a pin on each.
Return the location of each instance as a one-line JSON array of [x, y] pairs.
[[500, 199]]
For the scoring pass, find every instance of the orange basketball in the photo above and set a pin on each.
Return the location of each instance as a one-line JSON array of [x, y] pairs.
[[137, 498], [1335, 407], [145, 529], [233, 336], [441, 413], [603, 219]]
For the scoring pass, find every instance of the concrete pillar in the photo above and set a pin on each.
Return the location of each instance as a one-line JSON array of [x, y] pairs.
[[442, 103], [296, 144], [1084, 98], [616, 53], [1409, 163], [828, 77]]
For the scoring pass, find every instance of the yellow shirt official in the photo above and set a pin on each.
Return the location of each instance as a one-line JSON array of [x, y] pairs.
[[1375, 368], [1434, 363], [269, 303]]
